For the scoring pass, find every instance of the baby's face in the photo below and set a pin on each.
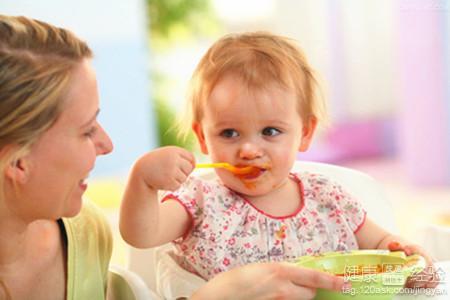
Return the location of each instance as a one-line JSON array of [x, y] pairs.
[[252, 128]]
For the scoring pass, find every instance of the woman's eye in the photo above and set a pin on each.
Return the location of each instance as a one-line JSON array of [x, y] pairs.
[[90, 132], [229, 133], [270, 131]]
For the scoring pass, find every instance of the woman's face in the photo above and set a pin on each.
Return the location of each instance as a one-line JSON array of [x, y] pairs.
[[56, 169]]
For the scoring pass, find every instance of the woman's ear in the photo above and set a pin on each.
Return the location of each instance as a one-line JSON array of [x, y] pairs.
[[308, 130], [17, 171], [200, 137]]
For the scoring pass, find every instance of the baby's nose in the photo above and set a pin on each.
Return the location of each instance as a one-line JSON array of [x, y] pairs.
[[250, 151]]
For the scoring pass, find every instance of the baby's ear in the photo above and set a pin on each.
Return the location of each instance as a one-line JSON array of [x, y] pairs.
[[308, 130], [200, 137]]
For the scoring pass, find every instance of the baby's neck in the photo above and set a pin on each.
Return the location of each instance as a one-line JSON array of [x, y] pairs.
[[284, 200]]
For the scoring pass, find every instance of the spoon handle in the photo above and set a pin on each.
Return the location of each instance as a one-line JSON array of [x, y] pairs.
[[211, 165]]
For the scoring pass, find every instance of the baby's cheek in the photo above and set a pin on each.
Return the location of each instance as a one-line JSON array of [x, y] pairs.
[[285, 161], [220, 156]]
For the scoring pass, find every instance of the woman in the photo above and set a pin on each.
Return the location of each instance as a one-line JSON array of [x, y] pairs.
[[49, 140], [53, 246]]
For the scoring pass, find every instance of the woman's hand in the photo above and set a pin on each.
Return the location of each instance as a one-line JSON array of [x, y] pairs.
[[165, 168], [269, 281], [428, 278]]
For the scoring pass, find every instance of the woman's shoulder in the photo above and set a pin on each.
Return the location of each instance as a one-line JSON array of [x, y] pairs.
[[89, 224], [89, 240], [90, 215]]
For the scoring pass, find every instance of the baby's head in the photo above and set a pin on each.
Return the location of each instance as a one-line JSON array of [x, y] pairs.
[[253, 102], [257, 59]]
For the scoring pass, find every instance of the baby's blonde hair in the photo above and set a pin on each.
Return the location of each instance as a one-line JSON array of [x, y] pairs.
[[36, 64], [258, 59]]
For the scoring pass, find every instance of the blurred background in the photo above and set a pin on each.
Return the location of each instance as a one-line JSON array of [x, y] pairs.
[[385, 66]]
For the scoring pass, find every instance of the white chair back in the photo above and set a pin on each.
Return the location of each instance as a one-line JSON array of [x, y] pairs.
[[436, 240], [125, 284]]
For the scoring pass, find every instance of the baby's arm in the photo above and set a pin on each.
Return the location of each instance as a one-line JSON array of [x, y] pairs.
[[144, 222], [372, 236]]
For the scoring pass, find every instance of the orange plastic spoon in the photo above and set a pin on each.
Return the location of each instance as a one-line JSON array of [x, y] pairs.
[[231, 168]]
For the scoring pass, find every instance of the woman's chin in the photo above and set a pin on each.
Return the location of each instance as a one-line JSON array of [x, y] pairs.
[[74, 209]]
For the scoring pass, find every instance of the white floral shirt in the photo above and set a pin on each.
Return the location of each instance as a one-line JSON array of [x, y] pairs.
[[228, 231]]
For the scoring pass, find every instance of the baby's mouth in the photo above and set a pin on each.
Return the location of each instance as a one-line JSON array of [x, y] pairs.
[[256, 172]]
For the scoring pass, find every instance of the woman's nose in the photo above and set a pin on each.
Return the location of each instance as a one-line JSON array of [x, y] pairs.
[[104, 144], [250, 151]]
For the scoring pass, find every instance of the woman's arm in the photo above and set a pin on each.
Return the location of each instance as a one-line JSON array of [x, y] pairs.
[[268, 281]]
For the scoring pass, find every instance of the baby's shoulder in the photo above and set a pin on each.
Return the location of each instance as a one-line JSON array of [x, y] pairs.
[[195, 180], [202, 186], [319, 186], [197, 192], [314, 180]]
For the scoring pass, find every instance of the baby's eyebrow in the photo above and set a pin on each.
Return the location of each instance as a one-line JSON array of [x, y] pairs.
[[231, 123]]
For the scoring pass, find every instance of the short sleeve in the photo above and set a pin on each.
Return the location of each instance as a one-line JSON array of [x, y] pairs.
[[352, 209], [189, 195], [342, 206]]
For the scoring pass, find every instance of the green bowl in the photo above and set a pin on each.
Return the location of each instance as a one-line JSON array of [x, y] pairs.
[[374, 274]]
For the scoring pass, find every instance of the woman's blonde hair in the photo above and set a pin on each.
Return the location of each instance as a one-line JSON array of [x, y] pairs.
[[36, 63], [258, 59]]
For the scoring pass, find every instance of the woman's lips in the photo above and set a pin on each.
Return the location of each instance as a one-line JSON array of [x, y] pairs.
[[83, 185]]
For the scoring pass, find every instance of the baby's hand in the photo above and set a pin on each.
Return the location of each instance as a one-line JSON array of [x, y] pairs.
[[428, 278], [165, 168]]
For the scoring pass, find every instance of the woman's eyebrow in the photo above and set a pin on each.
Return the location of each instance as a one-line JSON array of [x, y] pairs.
[[91, 119]]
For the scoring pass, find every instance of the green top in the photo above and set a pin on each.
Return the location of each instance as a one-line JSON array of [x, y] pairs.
[[89, 247]]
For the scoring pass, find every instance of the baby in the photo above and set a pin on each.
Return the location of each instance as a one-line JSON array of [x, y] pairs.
[[252, 103]]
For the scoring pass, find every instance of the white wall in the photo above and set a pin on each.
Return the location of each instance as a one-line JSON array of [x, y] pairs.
[[116, 31], [350, 44]]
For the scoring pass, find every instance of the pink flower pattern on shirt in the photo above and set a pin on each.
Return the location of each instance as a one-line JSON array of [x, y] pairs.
[[228, 231]]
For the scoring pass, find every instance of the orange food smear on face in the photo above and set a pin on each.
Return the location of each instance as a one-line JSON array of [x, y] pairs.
[[250, 185], [243, 170], [245, 177], [253, 173]]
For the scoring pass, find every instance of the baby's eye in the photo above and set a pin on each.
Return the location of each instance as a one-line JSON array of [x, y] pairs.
[[229, 133], [270, 131]]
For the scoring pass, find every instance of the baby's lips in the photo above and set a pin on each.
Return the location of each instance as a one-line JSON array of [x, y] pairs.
[[266, 166], [255, 172]]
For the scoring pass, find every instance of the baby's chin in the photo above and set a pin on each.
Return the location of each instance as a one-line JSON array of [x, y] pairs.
[[248, 189]]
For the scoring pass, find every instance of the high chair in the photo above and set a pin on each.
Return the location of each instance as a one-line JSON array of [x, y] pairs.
[[125, 284], [436, 239], [162, 274]]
